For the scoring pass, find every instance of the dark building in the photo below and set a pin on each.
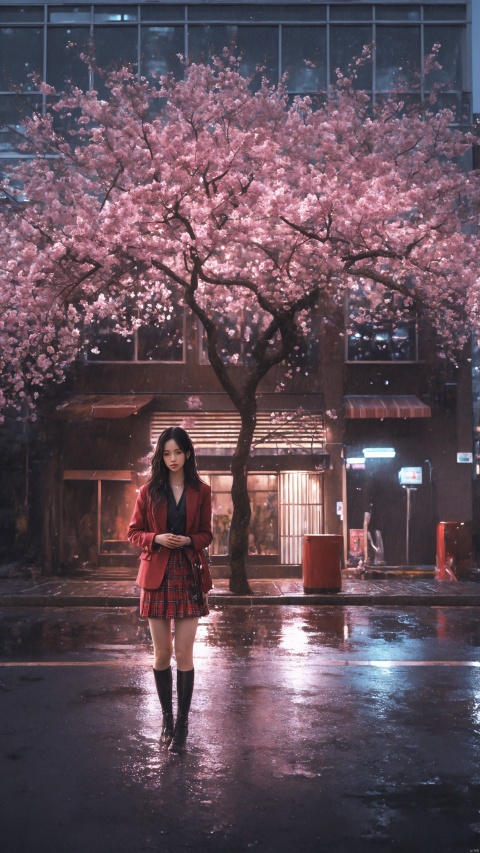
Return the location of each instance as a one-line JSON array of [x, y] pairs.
[[373, 402]]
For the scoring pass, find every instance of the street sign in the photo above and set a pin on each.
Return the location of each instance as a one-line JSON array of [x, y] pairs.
[[410, 476]]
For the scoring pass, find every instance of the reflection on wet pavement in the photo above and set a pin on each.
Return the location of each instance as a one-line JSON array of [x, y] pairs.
[[297, 742]]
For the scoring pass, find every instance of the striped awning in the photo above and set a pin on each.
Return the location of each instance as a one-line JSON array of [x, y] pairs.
[[103, 406], [401, 406], [216, 433]]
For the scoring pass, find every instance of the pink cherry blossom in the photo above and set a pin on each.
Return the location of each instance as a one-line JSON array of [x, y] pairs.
[[230, 200]]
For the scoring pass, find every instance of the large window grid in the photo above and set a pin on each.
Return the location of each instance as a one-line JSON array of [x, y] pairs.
[[34, 38], [376, 335]]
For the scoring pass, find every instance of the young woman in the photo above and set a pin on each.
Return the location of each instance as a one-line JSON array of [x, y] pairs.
[[172, 523]]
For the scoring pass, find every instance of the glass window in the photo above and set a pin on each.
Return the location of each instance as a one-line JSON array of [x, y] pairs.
[[301, 512], [397, 13], [256, 45], [168, 12], [300, 47], [21, 54], [104, 345], [21, 14], [117, 504], [156, 341], [382, 342], [452, 50], [63, 62], [12, 114], [116, 14], [439, 12], [113, 49], [350, 13], [80, 523], [263, 531], [160, 49], [397, 56], [376, 336], [236, 335], [162, 342], [69, 14], [346, 44], [234, 12]]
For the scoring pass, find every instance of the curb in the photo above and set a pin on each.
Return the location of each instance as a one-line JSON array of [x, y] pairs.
[[229, 600]]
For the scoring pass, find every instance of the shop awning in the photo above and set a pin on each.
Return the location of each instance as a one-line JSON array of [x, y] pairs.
[[402, 406], [216, 433], [108, 406]]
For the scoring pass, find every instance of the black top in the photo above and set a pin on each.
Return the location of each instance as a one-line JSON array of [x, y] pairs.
[[176, 513]]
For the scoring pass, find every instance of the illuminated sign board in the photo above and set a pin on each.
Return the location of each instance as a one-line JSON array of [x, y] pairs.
[[410, 476]]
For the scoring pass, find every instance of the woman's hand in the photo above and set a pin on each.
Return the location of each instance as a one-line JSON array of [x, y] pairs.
[[170, 540]]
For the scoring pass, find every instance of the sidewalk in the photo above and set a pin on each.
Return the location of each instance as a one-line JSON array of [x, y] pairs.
[[57, 592]]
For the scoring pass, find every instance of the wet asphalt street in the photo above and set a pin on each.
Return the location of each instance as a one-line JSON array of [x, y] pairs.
[[344, 729]]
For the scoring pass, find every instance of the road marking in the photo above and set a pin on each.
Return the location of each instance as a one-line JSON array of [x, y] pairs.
[[383, 664]]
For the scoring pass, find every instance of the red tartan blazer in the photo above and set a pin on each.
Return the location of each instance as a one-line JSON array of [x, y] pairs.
[[146, 523]]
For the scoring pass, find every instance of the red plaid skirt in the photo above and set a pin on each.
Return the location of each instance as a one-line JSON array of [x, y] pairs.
[[172, 599]]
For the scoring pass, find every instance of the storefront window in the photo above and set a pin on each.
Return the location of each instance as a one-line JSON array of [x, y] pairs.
[[301, 512], [117, 503], [263, 491], [80, 523]]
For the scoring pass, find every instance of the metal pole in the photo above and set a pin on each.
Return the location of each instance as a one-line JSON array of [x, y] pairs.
[[407, 543]]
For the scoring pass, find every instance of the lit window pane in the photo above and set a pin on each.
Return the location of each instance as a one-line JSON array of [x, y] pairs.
[[302, 46], [397, 56], [346, 44], [452, 41], [263, 530], [118, 501], [64, 63], [256, 46], [378, 337], [21, 53], [69, 14], [116, 14], [160, 49]]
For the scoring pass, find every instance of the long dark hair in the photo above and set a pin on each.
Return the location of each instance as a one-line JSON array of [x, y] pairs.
[[158, 482]]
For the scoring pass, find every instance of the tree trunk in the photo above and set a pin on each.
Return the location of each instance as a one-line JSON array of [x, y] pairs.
[[238, 548]]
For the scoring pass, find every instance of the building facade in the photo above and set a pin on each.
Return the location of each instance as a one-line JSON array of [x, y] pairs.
[[373, 403]]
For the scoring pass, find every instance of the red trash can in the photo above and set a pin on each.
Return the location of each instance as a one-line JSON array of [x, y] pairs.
[[454, 550], [322, 562]]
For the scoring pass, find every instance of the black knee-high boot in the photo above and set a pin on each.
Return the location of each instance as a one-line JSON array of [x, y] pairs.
[[184, 697], [163, 682]]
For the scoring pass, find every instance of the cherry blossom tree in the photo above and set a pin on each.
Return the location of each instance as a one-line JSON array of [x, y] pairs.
[[205, 191]]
